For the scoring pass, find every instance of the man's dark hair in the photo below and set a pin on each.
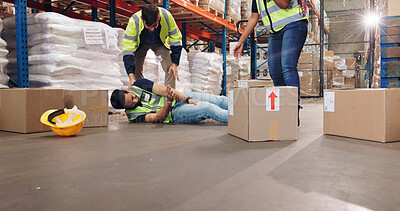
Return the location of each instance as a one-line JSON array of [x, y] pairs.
[[118, 99], [150, 14]]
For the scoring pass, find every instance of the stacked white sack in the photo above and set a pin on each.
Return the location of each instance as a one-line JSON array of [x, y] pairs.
[[206, 70], [68, 53], [120, 58], [244, 67], [232, 70], [184, 84], [3, 60]]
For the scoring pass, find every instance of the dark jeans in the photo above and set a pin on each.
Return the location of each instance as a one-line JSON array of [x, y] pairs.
[[284, 48]]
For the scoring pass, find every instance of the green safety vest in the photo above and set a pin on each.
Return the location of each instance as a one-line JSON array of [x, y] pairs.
[[279, 17], [169, 34], [151, 103]]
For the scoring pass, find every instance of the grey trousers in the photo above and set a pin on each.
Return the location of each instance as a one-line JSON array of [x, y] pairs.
[[159, 50]]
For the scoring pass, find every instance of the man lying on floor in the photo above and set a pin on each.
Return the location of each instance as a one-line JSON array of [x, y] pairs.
[[147, 101]]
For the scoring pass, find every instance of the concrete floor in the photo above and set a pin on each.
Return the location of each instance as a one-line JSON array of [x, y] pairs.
[[196, 167]]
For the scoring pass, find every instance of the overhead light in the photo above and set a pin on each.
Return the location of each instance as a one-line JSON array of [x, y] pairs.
[[371, 19]]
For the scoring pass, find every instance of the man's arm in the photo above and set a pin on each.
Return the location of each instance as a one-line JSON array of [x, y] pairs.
[[129, 63], [162, 90], [164, 111]]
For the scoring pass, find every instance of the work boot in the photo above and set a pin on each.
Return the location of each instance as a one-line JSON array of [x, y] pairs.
[[298, 116]]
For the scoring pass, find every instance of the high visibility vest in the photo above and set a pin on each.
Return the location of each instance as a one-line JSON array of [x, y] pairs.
[[169, 34], [151, 103], [279, 17]]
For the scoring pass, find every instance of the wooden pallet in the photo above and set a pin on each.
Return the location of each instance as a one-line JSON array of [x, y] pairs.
[[212, 10]]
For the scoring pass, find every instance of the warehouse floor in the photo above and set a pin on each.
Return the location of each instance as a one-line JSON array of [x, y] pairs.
[[196, 167]]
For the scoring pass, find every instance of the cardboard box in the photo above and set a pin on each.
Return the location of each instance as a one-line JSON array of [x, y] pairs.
[[253, 83], [309, 83], [349, 83], [351, 63], [306, 58], [329, 53], [21, 108], [93, 102], [263, 113], [339, 64], [304, 66], [371, 114]]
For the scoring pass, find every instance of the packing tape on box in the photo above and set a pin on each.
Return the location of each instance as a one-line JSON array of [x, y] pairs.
[[273, 130], [99, 108]]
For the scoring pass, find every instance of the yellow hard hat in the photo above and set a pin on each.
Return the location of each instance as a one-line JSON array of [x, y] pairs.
[[64, 122]]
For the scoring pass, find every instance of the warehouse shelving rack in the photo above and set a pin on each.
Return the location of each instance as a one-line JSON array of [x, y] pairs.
[[193, 21]]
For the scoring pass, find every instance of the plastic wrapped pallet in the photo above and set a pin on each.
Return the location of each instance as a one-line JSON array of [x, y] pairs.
[[232, 70], [67, 53], [233, 9], [218, 5], [3, 60], [244, 68], [206, 70], [245, 9]]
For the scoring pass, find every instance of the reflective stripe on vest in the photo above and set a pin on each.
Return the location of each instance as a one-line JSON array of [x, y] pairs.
[[151, 105], [280, 17]]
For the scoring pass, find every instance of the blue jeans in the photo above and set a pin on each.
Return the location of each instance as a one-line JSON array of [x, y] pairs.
[[211, 106], [284, 48]]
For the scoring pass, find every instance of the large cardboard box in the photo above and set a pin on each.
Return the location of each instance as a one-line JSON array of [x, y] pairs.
[[21, 108], [263, 113], [93, 102], [371, 114], [252, 83]]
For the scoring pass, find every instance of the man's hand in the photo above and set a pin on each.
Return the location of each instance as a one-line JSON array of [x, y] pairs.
[[171, 94], [193, 101], [174, 70], [131, 79], [237, 51]]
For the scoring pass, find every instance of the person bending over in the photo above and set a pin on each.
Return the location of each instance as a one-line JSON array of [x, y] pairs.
[[150, 102]]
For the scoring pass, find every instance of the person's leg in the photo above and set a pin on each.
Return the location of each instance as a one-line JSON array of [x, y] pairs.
[[140, 55], [190, 113], [161, 50], [293, 41], [274, 58], [220, 101]]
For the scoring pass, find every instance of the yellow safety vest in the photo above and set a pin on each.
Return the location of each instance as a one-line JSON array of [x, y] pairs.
[[169, 34], [151, 103], [279, 17]]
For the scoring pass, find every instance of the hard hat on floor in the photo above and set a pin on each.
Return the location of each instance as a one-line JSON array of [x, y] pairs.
[[64, 122]]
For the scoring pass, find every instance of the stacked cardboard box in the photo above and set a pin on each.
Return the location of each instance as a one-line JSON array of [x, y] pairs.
[[344, 73], [261, 113], [309, 79]]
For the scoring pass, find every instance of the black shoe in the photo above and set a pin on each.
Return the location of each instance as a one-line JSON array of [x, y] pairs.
[[298, 116]]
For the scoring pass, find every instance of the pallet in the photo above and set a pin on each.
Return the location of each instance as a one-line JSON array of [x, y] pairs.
[[212, 10]]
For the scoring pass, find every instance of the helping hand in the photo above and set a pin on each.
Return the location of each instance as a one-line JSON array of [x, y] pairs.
[[237, 51], [170, 94], [174, 70]]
